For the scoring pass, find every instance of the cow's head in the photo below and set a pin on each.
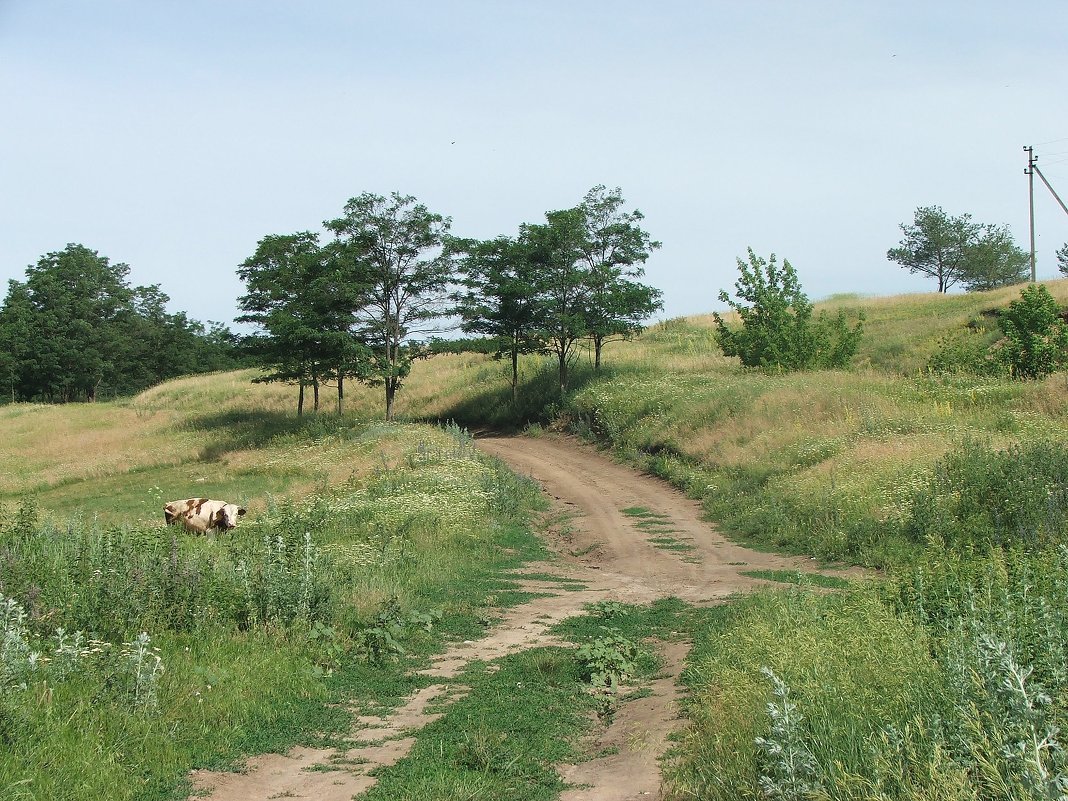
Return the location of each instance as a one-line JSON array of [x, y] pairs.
[[226, 517], [171, 513]]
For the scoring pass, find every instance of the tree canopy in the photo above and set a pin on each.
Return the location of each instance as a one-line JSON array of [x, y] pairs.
[[499, 297], [75, 329], [393, 250], [392, 272], [615, 248], [956, 250], [303, 302]]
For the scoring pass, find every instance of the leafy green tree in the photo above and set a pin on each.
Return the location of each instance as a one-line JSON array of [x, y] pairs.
[[393, 249], [1036, 337], [935, 244], [957, 250], [75, 329], [499, 297], [76, 296], [17, 337], [777, 325], [556, 250], [1062, 259], [614, 248], [993, 260], [302, 303]]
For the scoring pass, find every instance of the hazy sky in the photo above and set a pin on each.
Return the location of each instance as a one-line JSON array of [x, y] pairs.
[[174, 135]]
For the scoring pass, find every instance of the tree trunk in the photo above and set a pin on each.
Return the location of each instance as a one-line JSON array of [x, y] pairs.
[[515, 370], [391, 392], [597, 343], [562, 357], [315, 394], [340, 394], [300, 401]]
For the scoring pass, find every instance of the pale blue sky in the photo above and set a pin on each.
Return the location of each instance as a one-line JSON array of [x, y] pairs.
[[174, 135]]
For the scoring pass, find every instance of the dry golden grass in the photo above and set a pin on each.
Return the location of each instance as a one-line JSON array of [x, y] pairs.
[[219, 435]]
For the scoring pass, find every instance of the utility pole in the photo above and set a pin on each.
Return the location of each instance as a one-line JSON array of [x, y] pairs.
[[1030, 173]]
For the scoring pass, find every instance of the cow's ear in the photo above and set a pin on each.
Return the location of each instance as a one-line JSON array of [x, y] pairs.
[[241, 510]]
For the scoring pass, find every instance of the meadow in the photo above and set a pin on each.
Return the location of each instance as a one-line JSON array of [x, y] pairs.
[[132, 654]]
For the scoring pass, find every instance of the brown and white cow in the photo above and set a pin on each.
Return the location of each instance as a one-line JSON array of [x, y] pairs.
[[202, 514]]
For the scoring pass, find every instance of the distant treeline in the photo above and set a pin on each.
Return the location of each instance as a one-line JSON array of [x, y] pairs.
[[75, 330]]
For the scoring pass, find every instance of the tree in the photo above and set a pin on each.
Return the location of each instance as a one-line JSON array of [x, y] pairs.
[[935, 245], [957, 250], [75, 329], [778, 329], [614, 248], [1062, 259], [298, 297], [993, 260], [556, 250], [76, 296], [1036, 338], [500, 297], [393, 248], [17, 336]]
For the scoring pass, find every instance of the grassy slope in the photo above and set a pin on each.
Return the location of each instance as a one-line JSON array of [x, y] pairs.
[[809, 461], [798, 458], [395, 510]]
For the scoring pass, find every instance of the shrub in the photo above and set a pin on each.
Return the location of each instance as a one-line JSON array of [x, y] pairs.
[[778, 330], [966, 350], [1036, 338], [608, 660]]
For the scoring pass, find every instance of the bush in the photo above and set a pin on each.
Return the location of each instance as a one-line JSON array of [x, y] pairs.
[[1036, 338], [778, 329]]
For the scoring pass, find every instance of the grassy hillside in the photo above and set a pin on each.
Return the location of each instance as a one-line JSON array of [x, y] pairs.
[[820, 462], [921, 686], [945, 680], [131, 652]]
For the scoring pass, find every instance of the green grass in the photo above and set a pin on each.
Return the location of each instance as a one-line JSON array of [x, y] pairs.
[[258, 634], [503, 739], [886, 464], [799, 577]]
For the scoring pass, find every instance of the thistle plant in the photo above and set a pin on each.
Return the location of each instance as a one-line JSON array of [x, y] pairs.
[[1014, 745], [789, 770], [145, 666], [17, 657]]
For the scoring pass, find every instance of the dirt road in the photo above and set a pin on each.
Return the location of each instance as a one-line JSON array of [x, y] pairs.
[[659, 547]]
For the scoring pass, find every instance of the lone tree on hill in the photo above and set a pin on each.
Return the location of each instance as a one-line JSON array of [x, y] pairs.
[[393, 248], [957, 250], [778, 329]]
